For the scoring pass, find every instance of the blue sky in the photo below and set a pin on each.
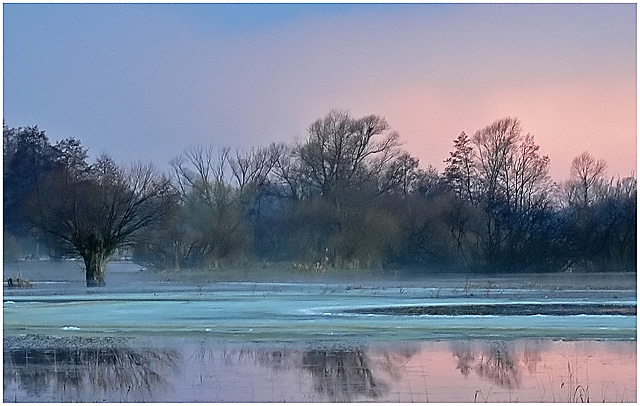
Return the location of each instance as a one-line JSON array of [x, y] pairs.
[[144, 81]]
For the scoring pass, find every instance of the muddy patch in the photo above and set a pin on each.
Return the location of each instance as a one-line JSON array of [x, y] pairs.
[[519, 309]]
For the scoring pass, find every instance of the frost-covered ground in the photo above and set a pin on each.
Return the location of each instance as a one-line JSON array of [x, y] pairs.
[[145, 303], [306, 312]]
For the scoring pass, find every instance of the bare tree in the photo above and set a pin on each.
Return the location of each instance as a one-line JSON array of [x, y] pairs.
[[339, 167], [199, 170], [495, 145], [212, 206], [342, 152], [403, 177], [601, 224], [527, 180], [93, 217], [586, 174], [250, 169], [287, 173], [514, 191]]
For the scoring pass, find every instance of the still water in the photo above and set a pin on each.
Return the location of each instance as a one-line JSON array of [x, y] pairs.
[[180, 370], [428, 341]]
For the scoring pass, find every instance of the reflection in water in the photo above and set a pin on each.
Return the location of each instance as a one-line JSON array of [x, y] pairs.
[[95, 374], [465, 358], [342, 374], [497, 361], [278, 360], [532, 355], [210, 371], [498, 364], [338, 374]]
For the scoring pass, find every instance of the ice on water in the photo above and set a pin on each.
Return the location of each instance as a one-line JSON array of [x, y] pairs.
[[303, 312]]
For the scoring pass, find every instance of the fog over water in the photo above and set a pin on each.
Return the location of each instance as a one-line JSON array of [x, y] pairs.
[[328, 202]]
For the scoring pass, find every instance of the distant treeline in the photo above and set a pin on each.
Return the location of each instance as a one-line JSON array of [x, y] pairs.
[[346, 197]]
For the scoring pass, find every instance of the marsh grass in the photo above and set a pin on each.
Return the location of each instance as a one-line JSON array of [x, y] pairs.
[[575, 392], [570, 388], [575, 389]]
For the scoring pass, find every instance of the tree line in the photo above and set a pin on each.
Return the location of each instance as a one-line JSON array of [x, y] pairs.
[[348, 196]]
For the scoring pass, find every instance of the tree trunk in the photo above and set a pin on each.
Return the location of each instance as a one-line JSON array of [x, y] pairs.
[[176, 256], [95, 264]]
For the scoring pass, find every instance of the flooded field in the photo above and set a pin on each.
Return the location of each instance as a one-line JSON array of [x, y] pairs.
[[197, 370], [461, 339]]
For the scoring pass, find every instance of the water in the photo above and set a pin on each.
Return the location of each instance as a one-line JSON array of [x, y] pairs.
[[317, 342], [300, 313], [192, 370]]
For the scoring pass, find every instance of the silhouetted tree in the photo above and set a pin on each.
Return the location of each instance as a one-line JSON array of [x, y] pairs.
[[252, 177], [343, 152], [28, 158], [213, 208], [94, 216], [340, 163], [168, 243], [288, 178], [250, 169], [586, 175], [600, 217], [402, 176], [347, 196], [514, 190], [460, 174], [72, 156]]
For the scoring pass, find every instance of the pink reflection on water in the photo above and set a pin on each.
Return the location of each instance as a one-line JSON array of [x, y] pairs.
[[519, 371], [435, 371], [523, 371]]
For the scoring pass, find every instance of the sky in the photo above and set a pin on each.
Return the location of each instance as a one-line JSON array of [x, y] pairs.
[[145, 81]]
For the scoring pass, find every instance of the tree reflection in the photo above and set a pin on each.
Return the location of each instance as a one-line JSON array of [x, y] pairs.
[[83, 375], [496, 362], [342, 375], [338, 374], [532, 355], [465, 359]]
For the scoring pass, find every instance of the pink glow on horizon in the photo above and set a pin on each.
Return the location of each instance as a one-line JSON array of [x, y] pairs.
[[196, 77], [565, 118]]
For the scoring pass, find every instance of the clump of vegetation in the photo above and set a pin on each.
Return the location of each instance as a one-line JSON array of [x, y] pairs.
[[18, 282]]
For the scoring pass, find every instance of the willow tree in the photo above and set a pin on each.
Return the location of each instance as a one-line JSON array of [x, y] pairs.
[[92, 216]]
